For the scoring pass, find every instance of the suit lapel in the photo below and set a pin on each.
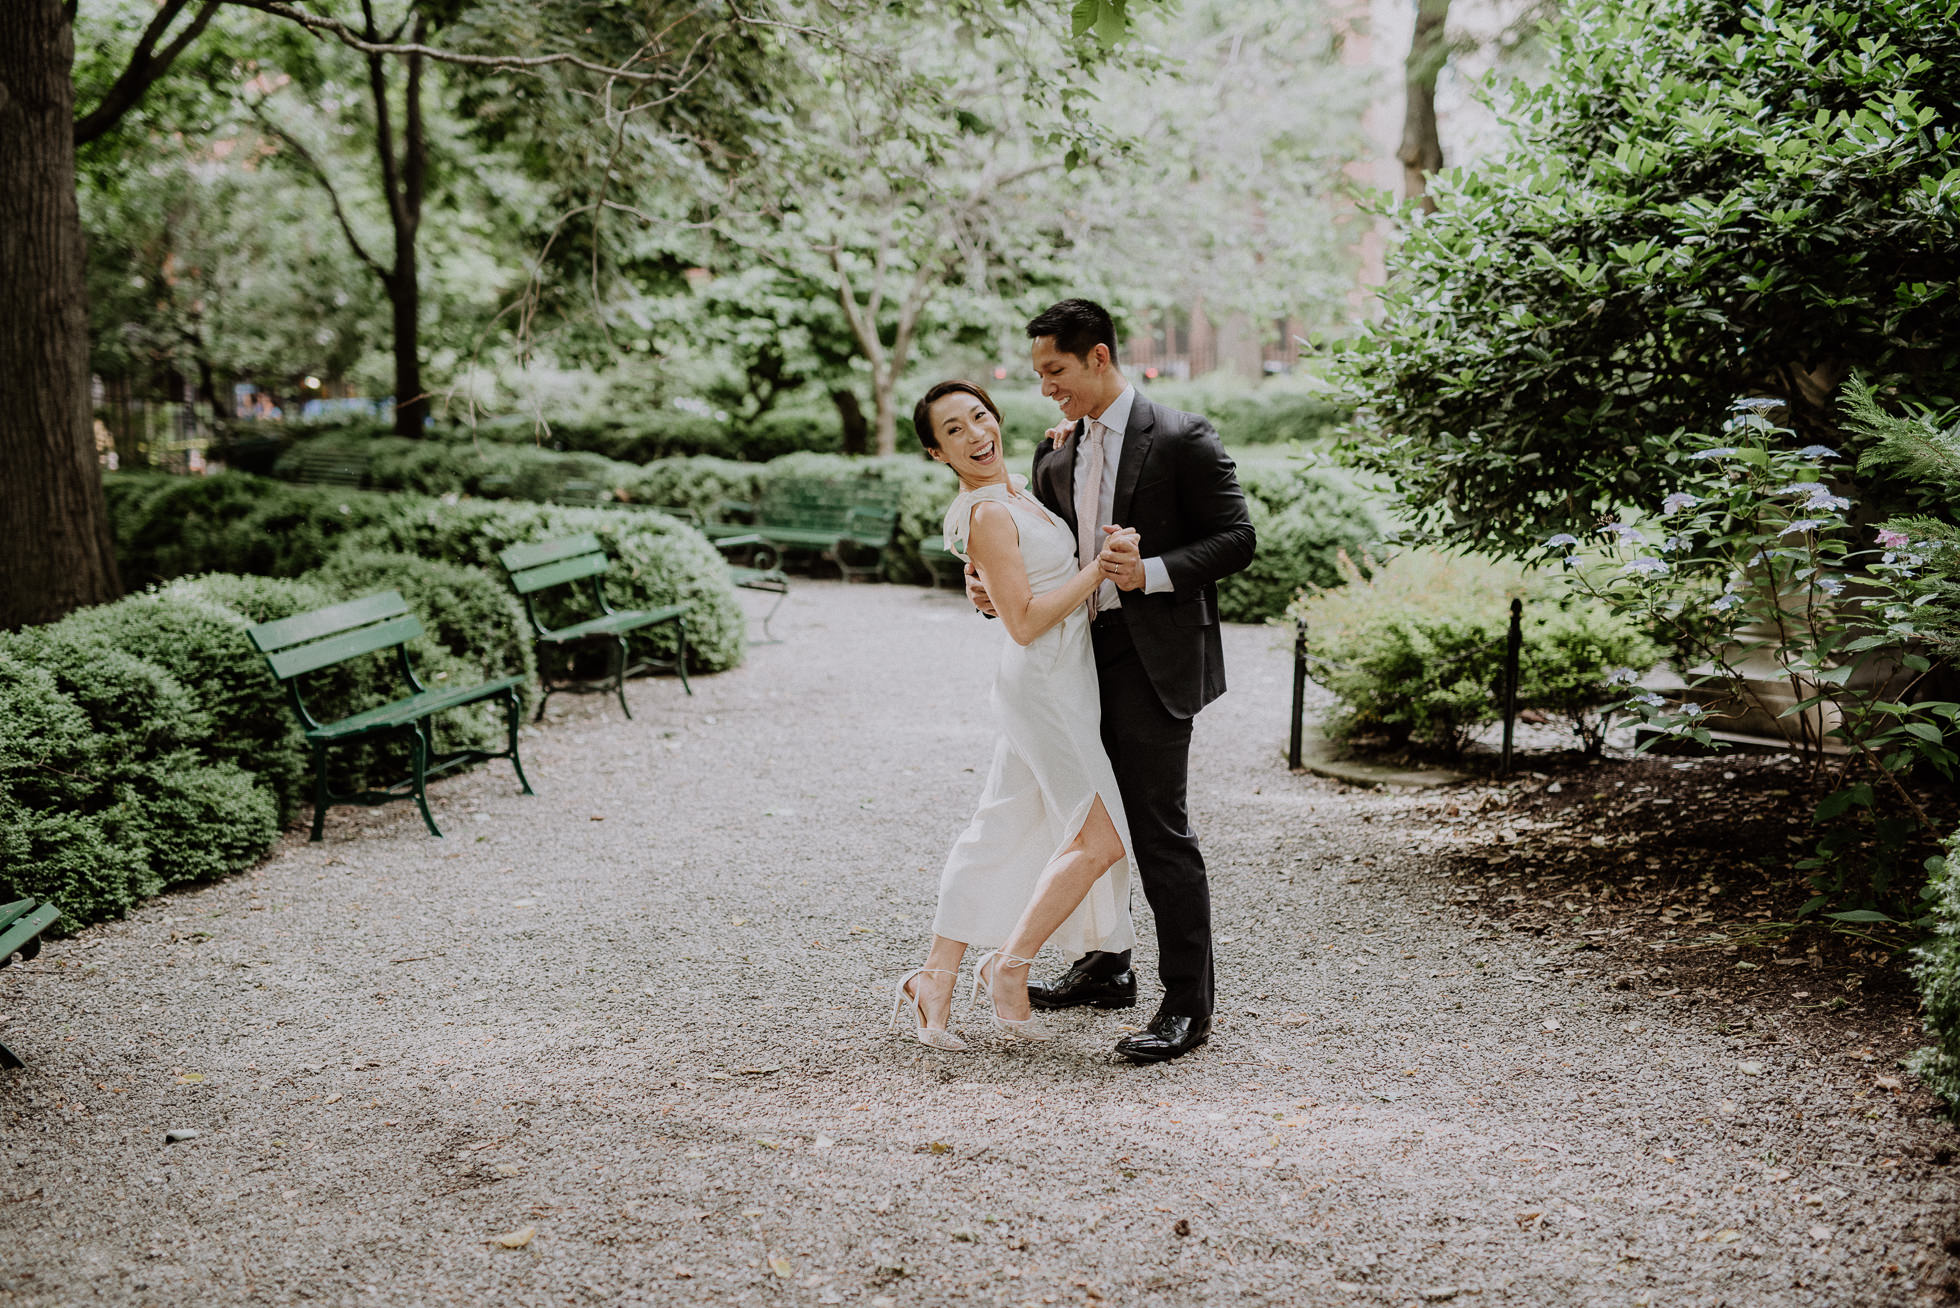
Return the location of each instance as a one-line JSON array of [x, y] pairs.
[[1055, 483], [1137, 435]]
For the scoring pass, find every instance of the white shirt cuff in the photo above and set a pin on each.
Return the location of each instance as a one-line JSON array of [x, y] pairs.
[[1156, 577]]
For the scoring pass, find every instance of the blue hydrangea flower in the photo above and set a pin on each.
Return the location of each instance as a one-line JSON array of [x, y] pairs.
[[1804, 488], [1690, 709], [1622, 677], [1650, 699], [1727, 602], [1800, 526], [1719, 452], [1760, 403], [1627, 535], [1817, 452], [1823, 499], [1646, 567], [1678, 501], [1831, 585], [1564, 538]]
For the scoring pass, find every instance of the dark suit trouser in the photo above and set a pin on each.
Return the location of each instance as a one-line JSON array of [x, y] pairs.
[[1150, 751]]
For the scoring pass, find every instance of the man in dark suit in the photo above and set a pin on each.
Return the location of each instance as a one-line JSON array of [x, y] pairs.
[[1120, 459]]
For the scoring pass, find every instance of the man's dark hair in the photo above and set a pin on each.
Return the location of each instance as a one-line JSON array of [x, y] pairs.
[[1078, 327], [922, 411]]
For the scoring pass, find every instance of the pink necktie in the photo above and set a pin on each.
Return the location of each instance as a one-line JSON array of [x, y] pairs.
[[1088, 501]]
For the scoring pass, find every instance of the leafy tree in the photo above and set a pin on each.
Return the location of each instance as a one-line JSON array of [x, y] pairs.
[[59, 554], [1709, 199]]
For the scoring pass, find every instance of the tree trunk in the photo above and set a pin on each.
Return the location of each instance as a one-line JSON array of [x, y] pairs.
[[1422, 148], [405, 212], [884, 415], [856, 431], [56, 554]]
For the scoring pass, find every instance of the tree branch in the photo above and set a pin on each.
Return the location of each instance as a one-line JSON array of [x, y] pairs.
[[305, 156], [146, 64], [339, 31]]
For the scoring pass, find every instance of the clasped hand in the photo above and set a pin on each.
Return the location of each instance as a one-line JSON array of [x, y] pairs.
[[1121, 561]]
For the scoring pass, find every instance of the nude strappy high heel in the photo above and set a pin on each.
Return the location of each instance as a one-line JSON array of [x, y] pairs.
[[925, 1035], [1025, 1029]]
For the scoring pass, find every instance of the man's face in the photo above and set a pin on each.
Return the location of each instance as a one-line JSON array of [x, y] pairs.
[[1075, 383]]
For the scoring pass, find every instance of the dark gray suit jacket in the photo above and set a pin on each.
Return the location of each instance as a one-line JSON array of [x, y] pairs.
[[1178, 488]]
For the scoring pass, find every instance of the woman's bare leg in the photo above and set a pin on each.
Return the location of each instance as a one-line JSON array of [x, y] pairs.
[[1064, 884], [934, 988]]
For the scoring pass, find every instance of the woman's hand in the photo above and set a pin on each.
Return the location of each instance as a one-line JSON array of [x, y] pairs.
[[1122, 557]]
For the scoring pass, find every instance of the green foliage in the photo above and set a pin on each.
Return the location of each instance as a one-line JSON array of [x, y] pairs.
[[1305, 518], [1414, 650], [168, 526], [1708, 200], [1936, 968]]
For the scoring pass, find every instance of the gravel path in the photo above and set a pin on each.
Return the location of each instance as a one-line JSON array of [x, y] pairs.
[[635, 1025]]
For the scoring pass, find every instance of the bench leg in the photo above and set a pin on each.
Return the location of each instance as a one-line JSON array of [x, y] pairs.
[[419, 749], [619, 675], [514, 709], [8, 1059], [773, 638], [680, 657], [319, 792]]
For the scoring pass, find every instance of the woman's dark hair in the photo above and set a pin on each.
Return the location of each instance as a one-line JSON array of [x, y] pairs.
[[922, 411], [1078, 327]]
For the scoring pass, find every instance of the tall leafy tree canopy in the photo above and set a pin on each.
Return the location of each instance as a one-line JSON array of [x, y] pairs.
[[1708, 199]]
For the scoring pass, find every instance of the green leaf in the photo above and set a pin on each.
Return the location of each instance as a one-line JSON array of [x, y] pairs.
[[1082, 18], [1860, 915], [1111, 24]]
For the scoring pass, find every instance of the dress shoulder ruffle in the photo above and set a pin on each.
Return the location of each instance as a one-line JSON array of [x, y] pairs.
[[958, 523]]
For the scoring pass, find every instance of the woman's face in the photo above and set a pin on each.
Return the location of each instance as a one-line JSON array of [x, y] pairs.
[[969, 438]]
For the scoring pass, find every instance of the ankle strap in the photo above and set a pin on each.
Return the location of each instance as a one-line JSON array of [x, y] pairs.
[[1005, 959]]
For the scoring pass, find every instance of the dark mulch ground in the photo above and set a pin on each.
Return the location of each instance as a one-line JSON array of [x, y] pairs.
[[1676, 876]]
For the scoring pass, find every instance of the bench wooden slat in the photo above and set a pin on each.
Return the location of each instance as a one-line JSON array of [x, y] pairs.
[[288, 663], [269, 637], [26, 927], [412, 709], [533, 580], [623, 621], [519, 557]]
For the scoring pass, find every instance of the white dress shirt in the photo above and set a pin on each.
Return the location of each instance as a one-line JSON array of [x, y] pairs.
[[1156, 577]]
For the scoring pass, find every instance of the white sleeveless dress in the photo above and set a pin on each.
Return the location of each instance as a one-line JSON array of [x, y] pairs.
[[1048, 766]]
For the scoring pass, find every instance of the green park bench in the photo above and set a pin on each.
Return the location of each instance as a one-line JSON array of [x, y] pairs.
[[534, 569], [21, 925], [326, 467], [309, 642], [832, 519], [937, 558]]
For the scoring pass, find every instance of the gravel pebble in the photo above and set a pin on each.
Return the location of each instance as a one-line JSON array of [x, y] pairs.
[[642, 1059]]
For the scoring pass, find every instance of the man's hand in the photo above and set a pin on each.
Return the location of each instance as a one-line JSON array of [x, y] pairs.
[[1122, 557], [978, 593]]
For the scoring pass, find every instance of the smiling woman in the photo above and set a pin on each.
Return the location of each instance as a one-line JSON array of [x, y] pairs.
[[1047, 854]]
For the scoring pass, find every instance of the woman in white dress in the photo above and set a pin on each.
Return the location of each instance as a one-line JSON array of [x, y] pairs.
[[1047, 854]]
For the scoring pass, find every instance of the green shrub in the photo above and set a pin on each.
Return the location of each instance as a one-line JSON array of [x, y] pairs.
[[1414, 650], [167, 526], [1305, 518], [700, 485], [1936, 967], [81, 863], [195, 821], [466, 611], [921, 488]]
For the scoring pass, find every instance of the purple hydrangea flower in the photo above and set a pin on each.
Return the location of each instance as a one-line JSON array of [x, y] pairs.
[[1646, 567], [1893, 540], [1800, 526], [1567, 539], [1622, 677], [1831, 585], [1817, 452], [1719, 452], [1627, 535], [1678, 501], [1727, 602], [1804, 488]]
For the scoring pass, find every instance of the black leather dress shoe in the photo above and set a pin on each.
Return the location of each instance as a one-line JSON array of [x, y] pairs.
[[1096, 980], [1166, 1037]]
